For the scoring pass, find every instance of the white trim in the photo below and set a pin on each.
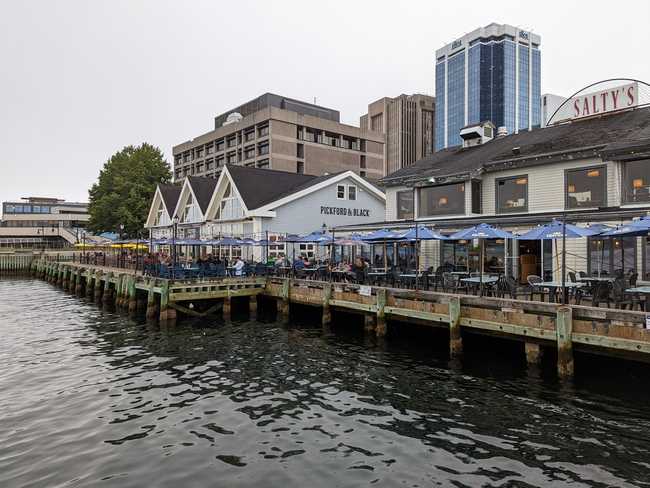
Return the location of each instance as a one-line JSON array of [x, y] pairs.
[[263, 211], [196, 201], [211, 210], [157, 195], [345, 192]]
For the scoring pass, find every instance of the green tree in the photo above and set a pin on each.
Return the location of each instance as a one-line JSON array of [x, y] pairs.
[[125, 188]]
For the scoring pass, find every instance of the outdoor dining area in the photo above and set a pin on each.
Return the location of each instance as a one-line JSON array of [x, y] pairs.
[[392, 258]]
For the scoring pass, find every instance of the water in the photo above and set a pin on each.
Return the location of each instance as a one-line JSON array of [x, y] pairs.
[[89, 398]]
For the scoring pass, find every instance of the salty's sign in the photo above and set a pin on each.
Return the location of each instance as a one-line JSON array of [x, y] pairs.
[[609, 100]]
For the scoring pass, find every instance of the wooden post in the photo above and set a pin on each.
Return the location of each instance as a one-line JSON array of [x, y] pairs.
[[79, 285], [132, 291], [227, 307], [381, 328], [167, 314], [252, 307], [90, 285], [59, 275], [564, 328], [151, 299], [107, 296], [369, 322], [283, 303], [533, 353], [455, 339], [327, 312]]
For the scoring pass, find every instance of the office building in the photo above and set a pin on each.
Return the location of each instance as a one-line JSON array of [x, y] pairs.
[[280, 133], [42, 222], [491, 74], [407, 122]]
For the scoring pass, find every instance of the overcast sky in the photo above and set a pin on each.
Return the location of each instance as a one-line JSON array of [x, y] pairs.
[[82, 79]]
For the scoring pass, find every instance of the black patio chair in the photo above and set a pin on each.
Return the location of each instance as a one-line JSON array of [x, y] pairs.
[[620, 298], [601, 292], [537, 290]]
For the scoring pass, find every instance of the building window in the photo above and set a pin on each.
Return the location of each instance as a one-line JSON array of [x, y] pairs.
[[220, 145], [477, 197], [300, 151], [512, 194], [209, 149], [311, 135], [586, 187], [232, 157], [249, 135], [220, 161], [362, 161], [186, 157], [340, 192], [232, 141], [377, 122], [352, 192], [300, 167], [441, 200], [362, 174], [611, 256], [405, 204], [636, 181], [264, 163], [249, 152], [209, 164], [199, 152], [300, 132], [263, 131], [331, 139], [263, 148]]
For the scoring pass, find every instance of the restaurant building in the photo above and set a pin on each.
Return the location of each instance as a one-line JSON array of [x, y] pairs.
[[592, 168], [264, 205]]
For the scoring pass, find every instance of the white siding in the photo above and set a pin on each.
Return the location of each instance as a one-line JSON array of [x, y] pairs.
[[546, 185], [391, 201]]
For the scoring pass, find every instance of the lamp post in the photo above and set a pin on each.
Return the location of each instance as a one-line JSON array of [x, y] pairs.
[[120, 259], [174, 230]]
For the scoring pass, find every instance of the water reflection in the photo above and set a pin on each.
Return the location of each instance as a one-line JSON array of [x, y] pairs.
[[91, 398]]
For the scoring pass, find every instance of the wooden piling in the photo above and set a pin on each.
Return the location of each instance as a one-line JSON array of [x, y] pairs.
[[98, 287], [455, 339], [167, 313], [252, 307], [564, 329], [327, 312], [533, 353], [108, 295], [132, 296], [283, 302], [151, 299], [227, 309], [381, 328]]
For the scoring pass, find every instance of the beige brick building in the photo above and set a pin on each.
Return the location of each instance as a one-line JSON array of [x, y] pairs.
[[284, 134], [407, 122]]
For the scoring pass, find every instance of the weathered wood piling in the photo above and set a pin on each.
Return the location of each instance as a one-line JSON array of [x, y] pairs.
[[536, 325]]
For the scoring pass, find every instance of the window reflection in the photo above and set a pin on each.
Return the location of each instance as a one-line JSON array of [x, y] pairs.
[[586, 187], [441, 200]]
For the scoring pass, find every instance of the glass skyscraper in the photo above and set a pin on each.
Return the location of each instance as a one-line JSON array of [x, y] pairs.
[[490, 74]]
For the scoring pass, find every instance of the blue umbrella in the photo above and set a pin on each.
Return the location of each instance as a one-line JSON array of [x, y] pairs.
[[382, 235], [422, 234], [553, 230], [635, 228], [315, 237], [599, 228], [481, 231], [228, 241]]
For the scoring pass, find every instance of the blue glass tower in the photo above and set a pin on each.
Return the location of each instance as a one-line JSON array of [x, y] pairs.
[[490, 74]]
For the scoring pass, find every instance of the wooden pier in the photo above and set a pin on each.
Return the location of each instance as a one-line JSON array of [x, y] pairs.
[[539, 326]]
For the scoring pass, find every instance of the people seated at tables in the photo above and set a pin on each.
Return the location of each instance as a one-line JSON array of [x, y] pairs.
[[239, 266], [299, 263]]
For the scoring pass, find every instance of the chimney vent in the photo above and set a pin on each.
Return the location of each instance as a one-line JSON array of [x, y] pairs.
[[502, 131], [476, 134]]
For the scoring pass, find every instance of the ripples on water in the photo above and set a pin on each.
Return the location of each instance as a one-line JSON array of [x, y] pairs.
[[89, 398]]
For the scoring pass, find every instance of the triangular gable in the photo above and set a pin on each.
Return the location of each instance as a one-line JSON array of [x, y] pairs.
[[188, 209], [158, 203], [370, 188], [224, 183]]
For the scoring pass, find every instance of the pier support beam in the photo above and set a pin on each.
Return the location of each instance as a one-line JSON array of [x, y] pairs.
[[167, 313], [79, 287], [327, 311], [132, 293], [98, 287], [90, 285], [107, 296], [533, 354], [151, 300], [455, 339], [369, 323], [283, 302], [564, 328], [381, 328], [227, 309], [252, 307]]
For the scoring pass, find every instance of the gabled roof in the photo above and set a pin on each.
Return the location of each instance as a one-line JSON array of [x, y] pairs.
[[590, 137], [170, 194], [203, 189], [258, 187]]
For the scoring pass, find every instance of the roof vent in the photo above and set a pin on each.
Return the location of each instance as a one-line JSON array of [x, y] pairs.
[[516, 150], [476, 134], [233, 118], [502, 131]]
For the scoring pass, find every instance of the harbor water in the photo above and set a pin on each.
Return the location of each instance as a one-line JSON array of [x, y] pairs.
[[92, 398]]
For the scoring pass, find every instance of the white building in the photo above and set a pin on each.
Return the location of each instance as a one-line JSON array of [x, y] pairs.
[[262, 204]]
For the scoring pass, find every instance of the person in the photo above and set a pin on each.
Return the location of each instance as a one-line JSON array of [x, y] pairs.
[[239, 266]]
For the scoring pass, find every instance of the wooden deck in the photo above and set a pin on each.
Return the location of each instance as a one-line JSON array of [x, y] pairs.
[[539, 325]]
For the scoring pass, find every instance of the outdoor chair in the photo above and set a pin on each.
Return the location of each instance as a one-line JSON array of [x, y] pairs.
[[260, 269], [601, 293], [537, 290], [620, 298], [508, 287], [395, 277]]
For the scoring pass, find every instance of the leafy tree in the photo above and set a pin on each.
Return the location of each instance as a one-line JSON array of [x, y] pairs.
[[125, 188]]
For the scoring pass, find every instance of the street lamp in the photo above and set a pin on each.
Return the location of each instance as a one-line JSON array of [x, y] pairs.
[[174, 230], [120, 261]]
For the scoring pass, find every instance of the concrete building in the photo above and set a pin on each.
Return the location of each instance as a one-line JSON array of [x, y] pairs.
[[491, 74], [550, 103], [595, 170], [274, 132], [407, 122], [255, 203], [42, 222]]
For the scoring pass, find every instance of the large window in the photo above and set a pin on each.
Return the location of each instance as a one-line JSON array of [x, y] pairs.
[[611, 256], [636, 181], [512, 194], [441, 200], [405, 204], [586, 187], [230, 206]]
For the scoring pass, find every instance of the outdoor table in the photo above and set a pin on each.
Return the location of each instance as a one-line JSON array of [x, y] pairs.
[[597, 278], [553, 286], [459, 273], [476, 280]]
